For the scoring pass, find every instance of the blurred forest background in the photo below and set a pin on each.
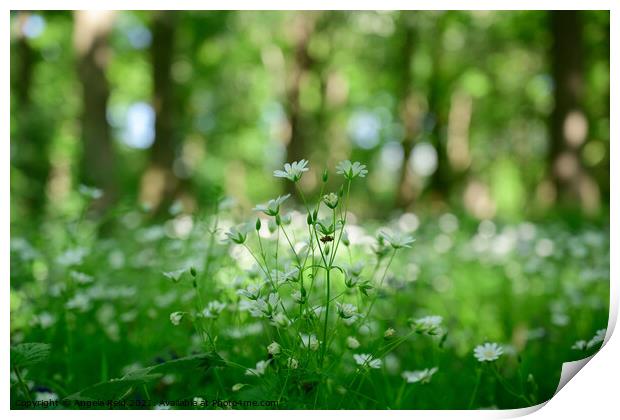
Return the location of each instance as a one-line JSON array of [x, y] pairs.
[[489, 114]]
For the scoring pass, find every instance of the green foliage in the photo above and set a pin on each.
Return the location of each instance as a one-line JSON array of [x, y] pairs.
[[29, 354], [118, 389]]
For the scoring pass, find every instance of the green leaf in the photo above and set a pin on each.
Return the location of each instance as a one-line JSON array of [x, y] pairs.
[[115, 389], [121, 388], [203, 361], [28, 354]]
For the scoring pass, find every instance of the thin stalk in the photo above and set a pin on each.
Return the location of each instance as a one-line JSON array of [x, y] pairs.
[[473, 395], [25, 389], [374, 299]]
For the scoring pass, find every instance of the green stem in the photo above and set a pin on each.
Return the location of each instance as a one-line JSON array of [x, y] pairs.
[[25, 389], [399, 396], [473, 395], [326, 319], [374, 299]]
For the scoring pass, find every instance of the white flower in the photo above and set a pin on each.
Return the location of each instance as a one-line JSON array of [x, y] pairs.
[[90, 192], [292, 363], [389, 333], [331, 200], [309, 341], [422, 376], [259, 370], [291, 275], [351, 170], [280, 320], [45, 396], [237, 234], [176, 317], [80, 302], [81, 278], [272, 207], [579, 345], [45, 320], [367, 360], [174, 276], [397, 240], [213, 309], [274, 348], [298, 297], [237, 387], [347, 310], [488, 352], [429, 325], [251, 292], [292, 171], [598, 338], [261, 307], [352, 343]]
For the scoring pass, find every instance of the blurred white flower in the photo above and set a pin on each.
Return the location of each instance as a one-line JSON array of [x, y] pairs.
[[80, 302], [174, 276], [90, 192], [488, 352], [292, 363], [422, 376], [579, 345], [598, 338], [251, 292], [298, 297], [260, 368], [429, 325], [238, 234], [389, 333], [272, 207], [352, 343], [544, 247], [280, 320], [176, 317], [397, 240], [81, 278], [261, 307], [309, 342], [237, 387], [213, 309], [347, 310], [45, 396], [367, 360], [274, 348]]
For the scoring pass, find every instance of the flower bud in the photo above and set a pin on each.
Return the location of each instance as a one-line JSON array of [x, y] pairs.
[[258, 224], [325, 175], [193, 272]]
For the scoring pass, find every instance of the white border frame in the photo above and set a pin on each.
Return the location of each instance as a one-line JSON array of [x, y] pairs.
[[592, 394]]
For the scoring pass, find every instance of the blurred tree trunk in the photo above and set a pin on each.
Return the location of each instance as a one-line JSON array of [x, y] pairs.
[[441, 179], [159, 182], [568, 122], [408, 109], [302, 64], [30, 151], [91, 33]]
